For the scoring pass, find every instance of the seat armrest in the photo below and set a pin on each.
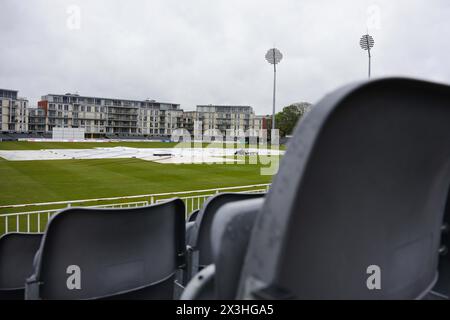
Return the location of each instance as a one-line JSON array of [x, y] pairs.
[[201, 287], [192, 263]]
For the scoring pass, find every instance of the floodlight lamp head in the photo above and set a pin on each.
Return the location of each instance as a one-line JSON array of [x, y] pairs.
[[366, 42], [274, 56]]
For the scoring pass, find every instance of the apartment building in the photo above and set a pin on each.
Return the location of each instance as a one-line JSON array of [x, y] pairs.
[[101, 117], [37, 120], [261, 122], [108, 116], [223, 118], [13, 112], [157, 118], [189, 118]]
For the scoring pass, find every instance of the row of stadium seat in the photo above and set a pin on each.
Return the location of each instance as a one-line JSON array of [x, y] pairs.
[[84, 238], [4, 136], [358, 210]]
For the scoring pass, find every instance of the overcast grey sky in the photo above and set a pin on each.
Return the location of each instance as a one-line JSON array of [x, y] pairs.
[[212, 51]]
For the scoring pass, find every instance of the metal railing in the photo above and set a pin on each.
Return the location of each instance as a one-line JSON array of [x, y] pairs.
[[193, 203], [35, 221]]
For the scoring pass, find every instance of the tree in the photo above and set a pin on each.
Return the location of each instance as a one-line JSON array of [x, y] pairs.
[[286, 120]]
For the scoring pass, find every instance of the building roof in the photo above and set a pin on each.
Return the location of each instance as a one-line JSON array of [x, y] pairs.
[[76, 95]]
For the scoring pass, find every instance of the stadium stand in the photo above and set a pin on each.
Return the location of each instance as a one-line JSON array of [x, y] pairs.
[[137, 137], [364, 183], [16, 136], [121, 253], [17, 251], [13, 136], [199, 245]]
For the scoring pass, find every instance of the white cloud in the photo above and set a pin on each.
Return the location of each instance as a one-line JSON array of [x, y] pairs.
[[203, 51]]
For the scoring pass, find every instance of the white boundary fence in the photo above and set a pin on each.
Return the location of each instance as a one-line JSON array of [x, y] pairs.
[[36, 221]]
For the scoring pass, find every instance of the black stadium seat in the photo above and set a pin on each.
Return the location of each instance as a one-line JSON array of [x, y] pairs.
[[200, 233], [362, 186], [189, 231], [230, 233], [121, 253], [190, 225], [193, 215], [17, 252]]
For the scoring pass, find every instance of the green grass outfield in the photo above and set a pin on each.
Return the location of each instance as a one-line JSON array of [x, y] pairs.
[[61, 180]]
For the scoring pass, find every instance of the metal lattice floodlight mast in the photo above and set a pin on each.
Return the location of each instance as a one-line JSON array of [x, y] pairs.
[[274, 56], [366, 42]]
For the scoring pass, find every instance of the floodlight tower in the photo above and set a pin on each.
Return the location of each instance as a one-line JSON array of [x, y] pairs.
[[366, 42], [274, 56]]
